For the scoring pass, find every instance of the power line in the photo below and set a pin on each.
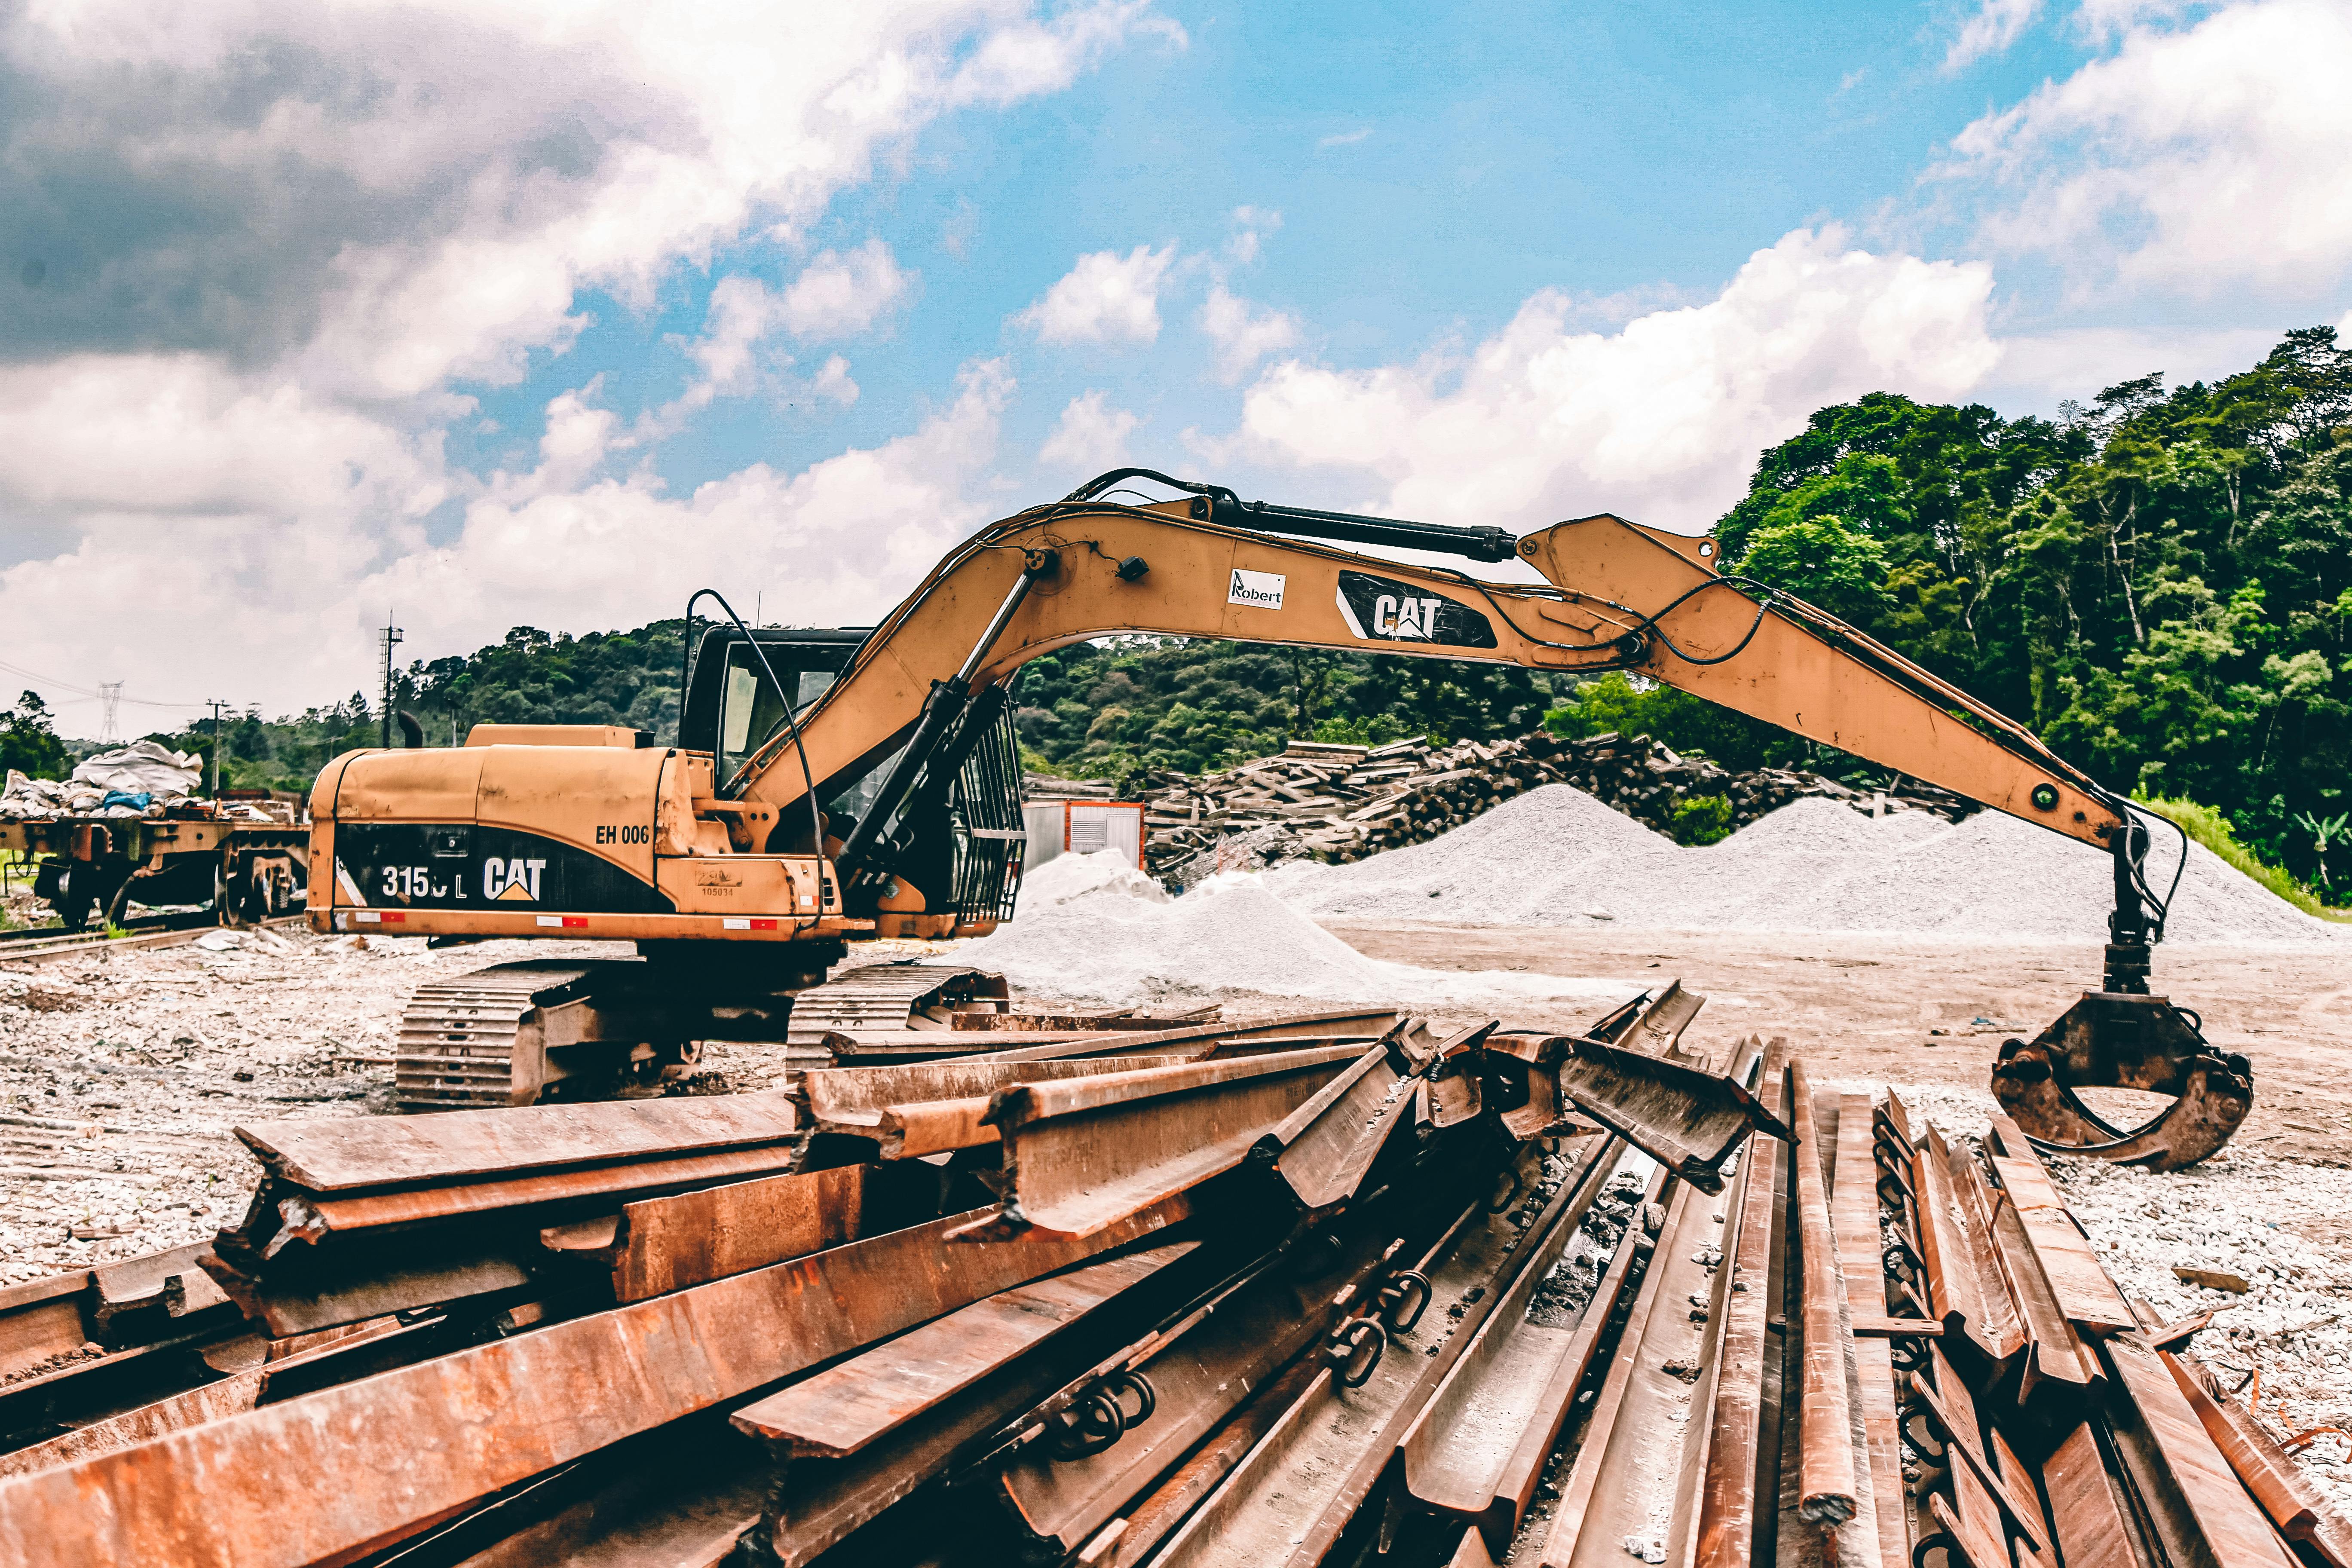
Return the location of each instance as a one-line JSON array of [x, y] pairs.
[[84, 692]]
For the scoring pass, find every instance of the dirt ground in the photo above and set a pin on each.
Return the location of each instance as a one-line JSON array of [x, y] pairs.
[[1867, 1007]]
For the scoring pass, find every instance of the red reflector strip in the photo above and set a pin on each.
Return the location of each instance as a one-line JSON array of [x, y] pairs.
[[763, 925], [575, 921], [393, 917]]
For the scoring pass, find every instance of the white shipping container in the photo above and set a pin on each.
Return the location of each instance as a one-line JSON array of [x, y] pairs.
[[1084, 828]]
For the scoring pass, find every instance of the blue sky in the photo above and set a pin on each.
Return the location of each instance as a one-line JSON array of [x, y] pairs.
[[1433, 166], [482, 315]]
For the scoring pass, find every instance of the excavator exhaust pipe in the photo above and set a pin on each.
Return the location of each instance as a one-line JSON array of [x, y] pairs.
[[2121, 1038]]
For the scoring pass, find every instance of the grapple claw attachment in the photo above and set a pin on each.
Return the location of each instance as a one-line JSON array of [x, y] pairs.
[[2113, 1040]]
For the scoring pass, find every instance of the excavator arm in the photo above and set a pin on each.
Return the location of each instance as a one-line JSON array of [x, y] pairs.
[[1613, 595]]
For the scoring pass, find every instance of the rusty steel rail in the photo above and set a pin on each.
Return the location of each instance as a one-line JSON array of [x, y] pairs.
[[1828, 1490], [215, 1494], [1084, 1154], [659, 1244], [905, 1112], [1323, 1455], [1475, 1452], [1281, 1311], [1729, 1515], [1687, 1118]]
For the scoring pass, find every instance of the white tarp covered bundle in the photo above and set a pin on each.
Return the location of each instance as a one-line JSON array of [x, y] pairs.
[[144, 766], [26, 797], [162, 776]]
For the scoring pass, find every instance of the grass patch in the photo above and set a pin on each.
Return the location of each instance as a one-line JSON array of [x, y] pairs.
[[2212, 829]]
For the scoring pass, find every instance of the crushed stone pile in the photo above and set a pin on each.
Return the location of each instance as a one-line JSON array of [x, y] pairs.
[[1124, 940], [1067, 876], [1557, 857]]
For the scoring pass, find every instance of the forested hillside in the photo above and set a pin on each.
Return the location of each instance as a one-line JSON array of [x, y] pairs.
[[2159, 581]]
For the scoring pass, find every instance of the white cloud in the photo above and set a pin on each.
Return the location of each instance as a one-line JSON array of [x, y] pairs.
[[1996, 25], [167, 437], [276, 605], [2040, 370], [742, 314], [842, 540], [278, 239], [1251, 225], [1344, 138], [840, 295], [410, 193], [2200, 162], [1105, 298], [1089, 435], [1244, 333], [1660, 421], [833, 383]]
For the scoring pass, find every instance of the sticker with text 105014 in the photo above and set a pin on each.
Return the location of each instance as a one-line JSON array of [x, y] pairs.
[[1258, 590], [1384, 610]]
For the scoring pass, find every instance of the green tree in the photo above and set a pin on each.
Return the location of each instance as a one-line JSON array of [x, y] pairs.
[[29, 742]]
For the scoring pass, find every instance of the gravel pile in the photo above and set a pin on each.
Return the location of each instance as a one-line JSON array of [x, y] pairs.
[[1229, 938], [1557, 857]]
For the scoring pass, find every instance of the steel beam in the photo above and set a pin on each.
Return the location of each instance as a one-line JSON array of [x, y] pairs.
[[1320, 1458], [1727, 1510], [662, 1245], [1827, 1490], [1965, 1287], [1686, 1118], [1322, 1152], [1083, 1155], [2195, 1500], [1475, 1451], [343, 1153], [1060, 1501], [1854, 1211], [469, 1424]]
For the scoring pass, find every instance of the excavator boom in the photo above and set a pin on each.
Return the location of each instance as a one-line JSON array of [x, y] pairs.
[[1613, 597], [854, 814]]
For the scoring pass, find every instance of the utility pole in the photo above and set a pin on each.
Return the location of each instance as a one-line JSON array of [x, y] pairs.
[[216, 704], [390, 636], [109, 695]]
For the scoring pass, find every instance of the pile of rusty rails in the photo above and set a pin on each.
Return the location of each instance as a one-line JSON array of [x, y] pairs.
[[1340, 1288], [248, 867]]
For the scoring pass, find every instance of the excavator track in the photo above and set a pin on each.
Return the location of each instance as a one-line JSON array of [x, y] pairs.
[[457, 1038], [483, 1040]]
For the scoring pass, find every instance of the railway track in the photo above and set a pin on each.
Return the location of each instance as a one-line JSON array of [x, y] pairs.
[[39, 945]]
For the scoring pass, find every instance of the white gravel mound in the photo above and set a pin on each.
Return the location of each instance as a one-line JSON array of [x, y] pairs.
[[1068, 876], [1228, 937], [1555, 856]]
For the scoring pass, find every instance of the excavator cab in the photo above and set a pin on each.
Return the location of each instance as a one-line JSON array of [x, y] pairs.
[[965, 857]]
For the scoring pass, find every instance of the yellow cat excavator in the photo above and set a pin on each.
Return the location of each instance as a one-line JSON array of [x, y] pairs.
[[830, 787]]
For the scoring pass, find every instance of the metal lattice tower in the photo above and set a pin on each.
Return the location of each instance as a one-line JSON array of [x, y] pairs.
[[109, 695]]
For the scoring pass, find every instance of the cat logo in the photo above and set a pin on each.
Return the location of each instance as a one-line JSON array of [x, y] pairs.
[[516, 880], [1384, 610]]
